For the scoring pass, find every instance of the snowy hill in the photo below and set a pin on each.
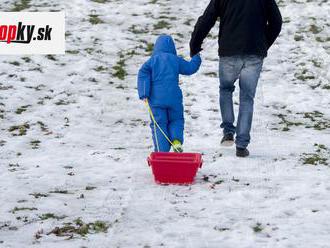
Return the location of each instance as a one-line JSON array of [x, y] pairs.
[[74, 137]]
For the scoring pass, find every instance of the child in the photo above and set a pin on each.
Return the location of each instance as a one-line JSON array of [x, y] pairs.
[[158, 83]]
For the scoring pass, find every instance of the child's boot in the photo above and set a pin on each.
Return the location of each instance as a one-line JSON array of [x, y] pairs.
[[177, 146]]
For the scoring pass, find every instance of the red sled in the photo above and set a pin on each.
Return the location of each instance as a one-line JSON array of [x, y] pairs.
[[175, 168]]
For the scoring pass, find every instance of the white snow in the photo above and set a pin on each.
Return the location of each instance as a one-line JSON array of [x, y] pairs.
[[93, 132]]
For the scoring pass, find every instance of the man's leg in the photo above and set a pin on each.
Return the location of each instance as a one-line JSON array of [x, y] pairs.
[[229, 71], [248, 82], [161, 117]]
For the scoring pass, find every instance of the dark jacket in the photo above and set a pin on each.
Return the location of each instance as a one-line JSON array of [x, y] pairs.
[[247, 27], [158, 78]]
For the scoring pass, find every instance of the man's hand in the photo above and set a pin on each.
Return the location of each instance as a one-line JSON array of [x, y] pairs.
[[193, 53]]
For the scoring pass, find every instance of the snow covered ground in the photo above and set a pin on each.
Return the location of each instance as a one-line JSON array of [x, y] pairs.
[[74, 138]]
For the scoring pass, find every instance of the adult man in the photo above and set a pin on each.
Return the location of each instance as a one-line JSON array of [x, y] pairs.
[[247, 30]]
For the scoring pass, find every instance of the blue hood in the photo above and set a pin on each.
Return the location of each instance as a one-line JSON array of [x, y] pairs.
[[164, 44]]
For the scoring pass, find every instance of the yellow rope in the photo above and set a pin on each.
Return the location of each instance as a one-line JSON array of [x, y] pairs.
[[156, 138], [156, 124]]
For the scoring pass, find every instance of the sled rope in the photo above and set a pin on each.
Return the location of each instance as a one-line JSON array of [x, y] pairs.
[[156, 138], [157, 125]]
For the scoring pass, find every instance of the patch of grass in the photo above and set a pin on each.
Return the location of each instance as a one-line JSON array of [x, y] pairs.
[[257, 228], [5, 88], [313, 120], [287, 124], [25, 219], [72, 52], [320, 147], [21, 5], [15, 63], [47, 216], [51, 57], [319, 157], [316, 85], [235, 180], [135, 30], [68, 167], [221, 229], [38, 234], [119, 148], [95, 19], [78, 227], [131, 53], [313, 115], [63, 102], [36, 88], [43, 127], [304, 75], [119, 70], [19, 129], [35, 144], [90, 188], [326, 87], [17, 209], [89, 50], [322, 39], [318, 122], [188, 22], [162, 25], [59, 191], [298, 37], [315, 29], [36, 69], [205, 178], [26, 59], [314, 159], [213, 185], [2, 116], [316, 63], [100, 69], [22, 109], [286, 20], [13, 167], [211, 74], [39, 195], [149, 48], [172, 18], [99, 1]]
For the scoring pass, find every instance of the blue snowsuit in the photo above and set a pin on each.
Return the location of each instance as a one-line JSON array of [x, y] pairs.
[[158, 81]]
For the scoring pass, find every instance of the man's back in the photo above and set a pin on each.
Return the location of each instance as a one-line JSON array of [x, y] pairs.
[[246, 26]]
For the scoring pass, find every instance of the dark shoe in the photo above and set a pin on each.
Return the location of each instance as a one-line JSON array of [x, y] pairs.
[[227, 140], [242, 152]]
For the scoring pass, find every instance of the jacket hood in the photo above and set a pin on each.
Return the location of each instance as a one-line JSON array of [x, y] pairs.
[[164, 44]]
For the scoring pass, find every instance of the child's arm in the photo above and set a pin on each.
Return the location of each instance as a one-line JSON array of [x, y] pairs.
[[189, 68], [144, 80]]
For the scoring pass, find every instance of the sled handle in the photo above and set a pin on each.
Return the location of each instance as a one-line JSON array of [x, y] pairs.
[[200, 166]]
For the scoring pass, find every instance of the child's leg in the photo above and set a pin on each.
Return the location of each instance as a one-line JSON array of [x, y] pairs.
[[176, 122], [161, 117]]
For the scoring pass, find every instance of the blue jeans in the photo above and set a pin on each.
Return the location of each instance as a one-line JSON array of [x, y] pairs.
[[247, 69]]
